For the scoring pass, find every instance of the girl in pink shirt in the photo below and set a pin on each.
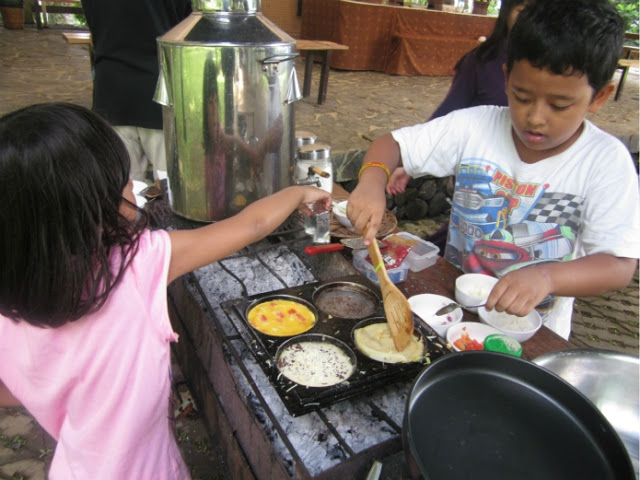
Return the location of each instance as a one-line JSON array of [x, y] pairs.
[[84, 328]]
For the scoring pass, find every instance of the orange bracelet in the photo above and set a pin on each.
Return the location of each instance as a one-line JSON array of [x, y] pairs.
[[375, 164]]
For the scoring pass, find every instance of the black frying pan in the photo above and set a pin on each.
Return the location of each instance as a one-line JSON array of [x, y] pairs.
[[476, 415]]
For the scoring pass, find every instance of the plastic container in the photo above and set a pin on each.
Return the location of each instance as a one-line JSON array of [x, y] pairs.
[[360, 263], [497, 342], [422, 255]]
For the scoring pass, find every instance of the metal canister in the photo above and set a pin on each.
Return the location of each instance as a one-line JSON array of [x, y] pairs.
[[314, 167], [227, 83]]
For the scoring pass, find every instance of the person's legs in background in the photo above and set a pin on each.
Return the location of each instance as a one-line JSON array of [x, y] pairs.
[[146, 149], [152, 141], [139, 160]]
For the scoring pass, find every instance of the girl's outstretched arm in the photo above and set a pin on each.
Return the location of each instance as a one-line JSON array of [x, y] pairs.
[[192, 249], [6, 397]]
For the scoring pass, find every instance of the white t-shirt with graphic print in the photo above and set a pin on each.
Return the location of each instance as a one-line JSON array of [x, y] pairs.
[[507, 214]]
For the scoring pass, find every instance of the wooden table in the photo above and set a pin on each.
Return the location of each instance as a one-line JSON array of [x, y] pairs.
[[440, 279], [209, 353], [630, 54], [323, 49], [624, 64], [210, 362]]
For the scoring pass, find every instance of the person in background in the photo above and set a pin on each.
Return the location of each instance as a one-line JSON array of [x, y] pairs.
[[84, 327], [125, 73], [478, 80], [544, 200]]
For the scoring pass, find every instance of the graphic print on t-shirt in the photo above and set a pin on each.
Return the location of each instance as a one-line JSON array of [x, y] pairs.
[[499, 224]]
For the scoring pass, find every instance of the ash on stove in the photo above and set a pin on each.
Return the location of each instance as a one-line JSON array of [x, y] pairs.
[[313, 443]]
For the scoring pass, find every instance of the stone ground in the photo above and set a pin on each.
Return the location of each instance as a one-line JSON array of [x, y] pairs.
[[38, 66]]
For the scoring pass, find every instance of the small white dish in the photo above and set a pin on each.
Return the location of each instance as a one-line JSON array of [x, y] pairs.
[[340, 212], [426, 305], [520, 328], [476, 331], [473, 289]]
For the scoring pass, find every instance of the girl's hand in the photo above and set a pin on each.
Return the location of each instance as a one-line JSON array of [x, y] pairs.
[[194, 248], [318, 198]]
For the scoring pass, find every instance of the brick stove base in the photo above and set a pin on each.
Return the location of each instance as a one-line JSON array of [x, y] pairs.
[[245, 416], [246, 438]]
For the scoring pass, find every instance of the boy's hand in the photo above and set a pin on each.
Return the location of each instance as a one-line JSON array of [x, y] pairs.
[[366, 206], [519, 292], [398, 181]]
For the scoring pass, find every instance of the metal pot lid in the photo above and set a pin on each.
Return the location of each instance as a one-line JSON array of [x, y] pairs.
[[611, 380], [488, 415], [305, 138], [314, 151], [227, 5], [227, 29]]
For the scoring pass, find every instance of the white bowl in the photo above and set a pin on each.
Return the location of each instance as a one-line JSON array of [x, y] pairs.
[[476, 331], [426, 305], [340, 212], [473, 289], [520, 328]]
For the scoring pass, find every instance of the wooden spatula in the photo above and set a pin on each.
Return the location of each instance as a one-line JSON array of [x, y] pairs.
[[396, 307]]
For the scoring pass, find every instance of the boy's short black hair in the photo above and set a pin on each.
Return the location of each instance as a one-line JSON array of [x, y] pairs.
[[567, 37]]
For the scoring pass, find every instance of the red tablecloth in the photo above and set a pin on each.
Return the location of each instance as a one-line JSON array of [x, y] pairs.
[[392, 39]]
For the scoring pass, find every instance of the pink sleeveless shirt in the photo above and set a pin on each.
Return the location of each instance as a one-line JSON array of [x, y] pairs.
[[101, 385]]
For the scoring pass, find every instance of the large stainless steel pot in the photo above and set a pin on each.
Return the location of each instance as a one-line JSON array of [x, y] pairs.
[[227, 83]]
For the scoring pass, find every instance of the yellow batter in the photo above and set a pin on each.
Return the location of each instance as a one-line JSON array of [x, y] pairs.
[[376, 342], [281, 318]]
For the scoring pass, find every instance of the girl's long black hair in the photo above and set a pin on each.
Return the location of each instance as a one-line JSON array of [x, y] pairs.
[[492, 46], [64, 242]]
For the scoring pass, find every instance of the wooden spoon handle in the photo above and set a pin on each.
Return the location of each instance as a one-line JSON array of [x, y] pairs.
[[376, 257], [396, 307]]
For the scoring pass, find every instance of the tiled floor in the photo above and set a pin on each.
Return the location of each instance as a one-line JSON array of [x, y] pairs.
[[38, 66]]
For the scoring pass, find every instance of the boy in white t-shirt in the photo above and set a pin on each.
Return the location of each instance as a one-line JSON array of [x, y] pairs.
[[544, 200]]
